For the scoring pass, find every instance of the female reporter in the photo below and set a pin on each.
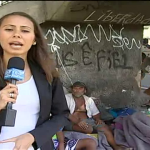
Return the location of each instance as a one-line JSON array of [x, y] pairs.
[[38, 95]]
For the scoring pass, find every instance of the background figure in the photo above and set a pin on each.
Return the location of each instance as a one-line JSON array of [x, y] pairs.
[[85, 116], [35, 97], [144, 65]]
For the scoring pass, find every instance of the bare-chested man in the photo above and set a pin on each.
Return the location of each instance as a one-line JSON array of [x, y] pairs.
[[84, 115]]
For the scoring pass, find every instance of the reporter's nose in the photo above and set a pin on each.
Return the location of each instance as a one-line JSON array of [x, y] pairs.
[[17, 34]]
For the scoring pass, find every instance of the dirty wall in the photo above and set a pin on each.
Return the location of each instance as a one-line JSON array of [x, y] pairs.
[[106, 57]]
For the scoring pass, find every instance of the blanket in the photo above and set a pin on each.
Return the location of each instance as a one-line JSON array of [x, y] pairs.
[[101, 140], [133, 131]]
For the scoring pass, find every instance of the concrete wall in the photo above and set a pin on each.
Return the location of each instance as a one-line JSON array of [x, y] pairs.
[[114, 12], [105, 57], [33, 8]]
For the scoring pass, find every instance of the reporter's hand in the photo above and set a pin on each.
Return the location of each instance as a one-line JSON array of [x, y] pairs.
[[22, 142], [5, 95]]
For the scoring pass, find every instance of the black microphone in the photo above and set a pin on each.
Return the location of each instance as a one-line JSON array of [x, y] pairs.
[[14, 73]]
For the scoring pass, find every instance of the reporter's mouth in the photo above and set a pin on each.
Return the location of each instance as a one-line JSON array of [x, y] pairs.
[[15, 45]]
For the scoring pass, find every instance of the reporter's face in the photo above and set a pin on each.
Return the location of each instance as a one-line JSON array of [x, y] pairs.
[[16, 35], [78, 91]]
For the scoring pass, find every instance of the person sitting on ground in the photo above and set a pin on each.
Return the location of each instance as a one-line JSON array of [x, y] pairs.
[[63, 143], [85, 116]]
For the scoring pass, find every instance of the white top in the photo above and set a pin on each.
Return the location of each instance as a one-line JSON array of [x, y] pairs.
[[90, 105], [28, 107]]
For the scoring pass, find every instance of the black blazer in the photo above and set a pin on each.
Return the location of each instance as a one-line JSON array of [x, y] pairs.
[[52, 100]]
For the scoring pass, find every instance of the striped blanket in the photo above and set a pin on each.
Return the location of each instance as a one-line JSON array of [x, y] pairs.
[[70, 144]]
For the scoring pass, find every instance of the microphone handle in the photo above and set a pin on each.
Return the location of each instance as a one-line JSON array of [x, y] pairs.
[[13, 81], [9, 104]]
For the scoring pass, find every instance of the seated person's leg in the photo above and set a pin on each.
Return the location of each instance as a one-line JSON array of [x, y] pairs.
[[109, 135], [88, 144]]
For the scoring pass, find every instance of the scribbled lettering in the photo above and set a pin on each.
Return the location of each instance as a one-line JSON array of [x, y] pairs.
[[79, 35], [85, 54]]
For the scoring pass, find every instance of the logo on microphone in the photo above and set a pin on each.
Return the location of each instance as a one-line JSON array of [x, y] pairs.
[[14, 73]]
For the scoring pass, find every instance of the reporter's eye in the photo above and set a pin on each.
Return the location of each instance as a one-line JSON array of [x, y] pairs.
[[9, 29], [26, 31]]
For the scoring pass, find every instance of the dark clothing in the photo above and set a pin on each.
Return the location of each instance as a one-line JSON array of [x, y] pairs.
[[52, 100]]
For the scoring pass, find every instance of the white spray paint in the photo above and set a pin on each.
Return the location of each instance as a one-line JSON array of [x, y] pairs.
[[118, 40]]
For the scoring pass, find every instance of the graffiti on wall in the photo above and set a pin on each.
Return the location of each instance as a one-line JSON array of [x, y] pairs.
[[78, 36], [107, 59], [100, 57], [96, 14], [119, 18]]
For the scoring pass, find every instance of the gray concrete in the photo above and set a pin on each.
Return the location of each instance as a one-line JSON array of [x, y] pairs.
[[120, 12], [107, 58], [98, 43], [114, 12], [34, 8], [40, 10]]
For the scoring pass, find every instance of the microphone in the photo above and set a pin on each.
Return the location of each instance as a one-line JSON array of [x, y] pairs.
[[14, 73]]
